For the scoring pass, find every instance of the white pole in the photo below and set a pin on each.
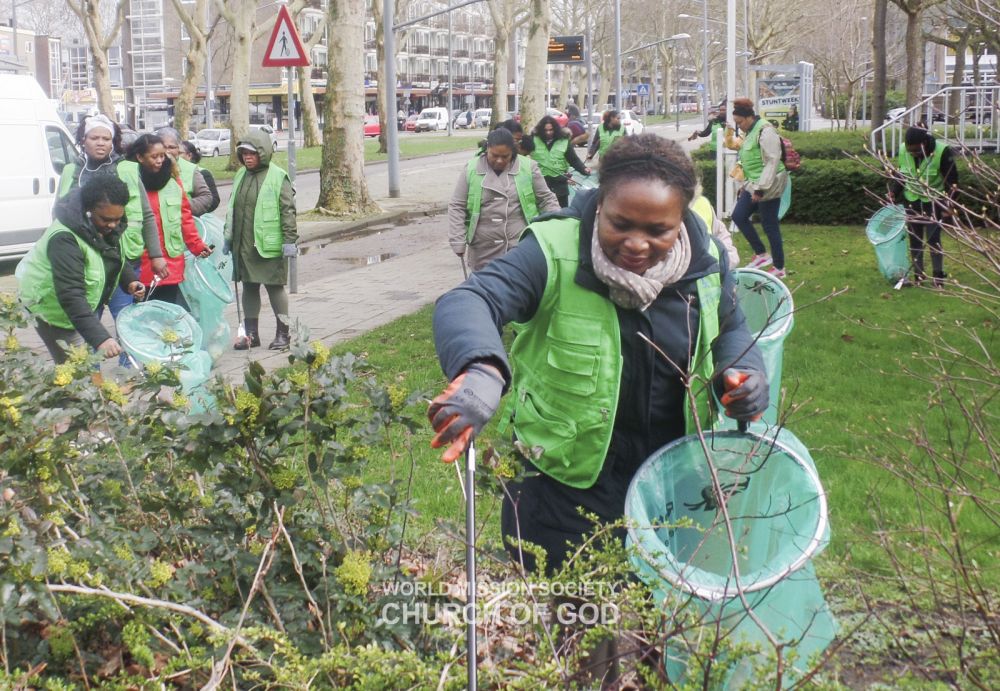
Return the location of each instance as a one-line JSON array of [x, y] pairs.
[[392, 137]]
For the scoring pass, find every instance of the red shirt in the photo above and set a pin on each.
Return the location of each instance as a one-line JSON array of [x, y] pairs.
[[188, 231]]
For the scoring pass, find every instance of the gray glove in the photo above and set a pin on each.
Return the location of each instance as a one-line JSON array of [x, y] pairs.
[[461, 411], [747, 394], [290, 250]]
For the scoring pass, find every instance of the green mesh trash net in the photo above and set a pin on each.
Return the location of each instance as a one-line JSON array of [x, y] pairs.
[[778, 517], [210, 228], [165, 333], [786, 199], [887, 232], [579, 182], [207, 294], [769, 310]]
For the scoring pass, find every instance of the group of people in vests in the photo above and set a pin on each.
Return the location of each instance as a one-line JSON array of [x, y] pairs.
[[124, 220]]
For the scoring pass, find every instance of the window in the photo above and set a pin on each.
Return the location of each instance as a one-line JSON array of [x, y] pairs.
[[61, 149]]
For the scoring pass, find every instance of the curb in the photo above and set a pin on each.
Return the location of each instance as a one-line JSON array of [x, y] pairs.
[[362, 227]]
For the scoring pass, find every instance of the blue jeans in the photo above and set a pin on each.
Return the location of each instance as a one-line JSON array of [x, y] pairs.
[[745, 206]]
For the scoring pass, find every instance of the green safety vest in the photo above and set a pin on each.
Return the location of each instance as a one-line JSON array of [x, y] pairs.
[[750, 156], [927, 173], [132, 242], [567, 364], [188, 170], [267, 234], [37, 289], [552, 162], [608, 138], [66, 180], [474, 202], [703, 208], [713, 141]]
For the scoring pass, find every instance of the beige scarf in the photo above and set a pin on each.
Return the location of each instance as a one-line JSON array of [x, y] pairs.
[[632, 291]]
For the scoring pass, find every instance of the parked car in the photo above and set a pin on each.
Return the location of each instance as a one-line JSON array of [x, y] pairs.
[[372, 126], [269, 131], [482, 116], [464, 120], [435, 118], [213, 142], [631, 123], [411, 123], [979, 114]]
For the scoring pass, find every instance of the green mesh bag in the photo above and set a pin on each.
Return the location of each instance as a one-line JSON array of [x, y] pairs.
[[207, 294], [769, 310], [211, 228], [887, 232], [579, 182], [165, 333], [682, 550], [786, 199]]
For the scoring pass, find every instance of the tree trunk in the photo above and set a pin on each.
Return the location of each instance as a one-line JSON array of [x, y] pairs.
[[914, 56], [242, 18], [385, 95], [879, 62], [310, 119], [535, 62], [502, 14], [343, 188], [194, 22], [98, 44]]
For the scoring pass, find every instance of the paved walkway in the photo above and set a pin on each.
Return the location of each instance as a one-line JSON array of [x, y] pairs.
[[353, 302]]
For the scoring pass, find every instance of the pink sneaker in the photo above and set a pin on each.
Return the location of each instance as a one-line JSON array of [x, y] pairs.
[[776, 272], [759, 261]]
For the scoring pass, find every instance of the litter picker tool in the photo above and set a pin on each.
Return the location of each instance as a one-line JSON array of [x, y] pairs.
[[241, 331], [470, 564], [152, 287]]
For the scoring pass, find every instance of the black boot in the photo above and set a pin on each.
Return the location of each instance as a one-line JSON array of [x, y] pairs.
[[281, 339], [252, 339]]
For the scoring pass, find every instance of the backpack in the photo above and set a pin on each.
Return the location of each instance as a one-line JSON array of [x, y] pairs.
[[789, 156]]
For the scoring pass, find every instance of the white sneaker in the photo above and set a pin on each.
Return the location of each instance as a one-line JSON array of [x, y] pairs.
[[759, 261]]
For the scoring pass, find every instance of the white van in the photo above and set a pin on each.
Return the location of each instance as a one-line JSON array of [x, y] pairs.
[[432, 119], [36, 146]]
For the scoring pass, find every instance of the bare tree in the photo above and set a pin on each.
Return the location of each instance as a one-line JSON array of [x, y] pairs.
[[241, 16], [99, 42], [535, 62], [195, 21], [879, 85], [507, 15], [310, 119], [914, 11], [343, 188]]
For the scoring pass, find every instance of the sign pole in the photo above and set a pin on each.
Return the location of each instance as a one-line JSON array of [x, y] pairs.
[[293, 262]]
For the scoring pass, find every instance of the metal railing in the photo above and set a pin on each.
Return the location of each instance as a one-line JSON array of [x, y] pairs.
[[964, 116]]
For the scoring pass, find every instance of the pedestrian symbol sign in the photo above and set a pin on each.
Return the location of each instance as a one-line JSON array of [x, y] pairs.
[[285, 48], [642, 90]]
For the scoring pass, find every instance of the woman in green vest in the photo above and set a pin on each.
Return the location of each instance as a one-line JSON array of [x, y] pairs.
[[261, 233], [148, 159], [495, 197], [192, 179], [100, 141], [606, 135], [927, 182], [716, 122], [554, 156], [765, 179], [74, 267], [616, 305], [189, 152]]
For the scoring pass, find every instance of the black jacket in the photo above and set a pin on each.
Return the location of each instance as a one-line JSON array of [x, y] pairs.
[[468, 321], [67, 263]]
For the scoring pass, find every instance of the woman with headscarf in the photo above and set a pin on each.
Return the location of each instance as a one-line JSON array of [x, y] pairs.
[[627, 329], [148, 161], [100, 141], [74, 267], [495, 197], [554, 155], [765, 179], [927, 183]]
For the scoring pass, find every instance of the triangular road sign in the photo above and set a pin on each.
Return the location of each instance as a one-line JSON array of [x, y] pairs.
[[285, 48]]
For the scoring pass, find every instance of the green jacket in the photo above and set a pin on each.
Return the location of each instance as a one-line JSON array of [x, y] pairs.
[[522, 182], [927, 173], [132, 241], [552, 162], [568, 364], [750, 156], [36, 285]]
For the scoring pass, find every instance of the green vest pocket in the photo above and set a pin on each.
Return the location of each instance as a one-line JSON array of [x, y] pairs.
[[544, 428]]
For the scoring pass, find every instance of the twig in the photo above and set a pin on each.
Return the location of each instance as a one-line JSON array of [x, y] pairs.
[[297, 565]]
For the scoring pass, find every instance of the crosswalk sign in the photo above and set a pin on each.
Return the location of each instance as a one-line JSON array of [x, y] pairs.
[[642, 90], [285, 47]]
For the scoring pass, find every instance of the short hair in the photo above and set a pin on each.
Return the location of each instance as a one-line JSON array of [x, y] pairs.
[[743, 107], [572, 110], [142, 145], [101, 189], [648, 157], [116, 135], [501, 137], [608, 114], [512, 126], [192, 151], [164, 132]]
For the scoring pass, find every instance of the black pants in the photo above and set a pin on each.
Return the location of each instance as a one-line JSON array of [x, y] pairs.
[[924, 227], [560, 187]]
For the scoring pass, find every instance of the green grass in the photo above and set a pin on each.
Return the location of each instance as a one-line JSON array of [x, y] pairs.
[[311, 157], [842, 369]]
